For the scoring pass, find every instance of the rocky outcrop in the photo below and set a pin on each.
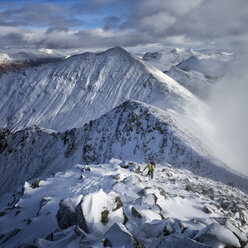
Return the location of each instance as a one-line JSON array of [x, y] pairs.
[[4, 134], [67, 214]]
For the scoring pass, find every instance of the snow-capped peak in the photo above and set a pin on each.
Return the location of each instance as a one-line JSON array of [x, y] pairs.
[[69, 93]]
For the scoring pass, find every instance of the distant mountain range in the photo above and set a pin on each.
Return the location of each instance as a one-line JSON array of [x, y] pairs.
[[195, 70]]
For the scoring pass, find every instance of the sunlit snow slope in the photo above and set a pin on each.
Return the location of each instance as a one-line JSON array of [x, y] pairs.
[[68, 94]]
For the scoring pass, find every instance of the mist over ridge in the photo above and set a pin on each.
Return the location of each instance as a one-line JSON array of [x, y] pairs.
[[228, 112]]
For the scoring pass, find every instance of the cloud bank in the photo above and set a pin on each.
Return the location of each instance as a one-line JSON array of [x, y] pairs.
[[228, 114], [106, 23]]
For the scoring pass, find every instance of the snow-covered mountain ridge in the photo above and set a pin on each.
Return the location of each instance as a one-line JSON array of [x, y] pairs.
[[116, 205], [133, 130], [69, 93], [195, 70], [28, 55], [16, 59], [165, 59]]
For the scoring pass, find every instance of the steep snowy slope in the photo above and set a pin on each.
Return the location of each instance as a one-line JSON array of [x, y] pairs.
[[133, 130], [116, 205], [68, 94]]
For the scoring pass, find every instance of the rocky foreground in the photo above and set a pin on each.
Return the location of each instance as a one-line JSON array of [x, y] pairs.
[[117, 205]]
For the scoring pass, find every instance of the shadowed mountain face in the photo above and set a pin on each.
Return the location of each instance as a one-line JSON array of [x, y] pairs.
[[69, 93]]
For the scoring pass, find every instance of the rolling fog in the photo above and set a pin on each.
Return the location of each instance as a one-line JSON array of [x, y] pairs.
[[228, 115]]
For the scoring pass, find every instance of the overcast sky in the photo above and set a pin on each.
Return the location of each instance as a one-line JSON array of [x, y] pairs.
[[128, 23]]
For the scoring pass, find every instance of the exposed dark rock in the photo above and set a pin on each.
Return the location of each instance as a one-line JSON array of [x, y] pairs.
[[2, 213], [104, 216], [4, 134], [80, 219], [207, 210], [36, 183], [190, 187], [86, 168], [50, 236], [162, 192], [135, 213], [156, 208], [29, 220], [172, 180], [66, 217], [142, 192], [106, 243], [17, 212], [9, 235], [125, 218], [118, 203], [132, 166], [206, 190]]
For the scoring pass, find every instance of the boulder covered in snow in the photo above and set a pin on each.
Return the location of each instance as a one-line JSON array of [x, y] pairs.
[[119, 236], [164, 227], [217, 235], [100, 211], [132, 166], [66, 215], [238, 233]]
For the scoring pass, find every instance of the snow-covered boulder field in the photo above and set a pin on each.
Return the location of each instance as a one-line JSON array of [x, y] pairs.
[[117, 205]]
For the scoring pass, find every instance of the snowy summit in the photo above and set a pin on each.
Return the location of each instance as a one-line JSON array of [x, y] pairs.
[[76, 135]]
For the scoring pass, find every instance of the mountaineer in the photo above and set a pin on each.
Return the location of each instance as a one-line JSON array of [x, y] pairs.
[[151, 169]]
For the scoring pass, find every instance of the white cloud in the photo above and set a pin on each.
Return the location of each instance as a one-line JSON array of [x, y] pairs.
[[229, 115], [221, 23], [157, 23]]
